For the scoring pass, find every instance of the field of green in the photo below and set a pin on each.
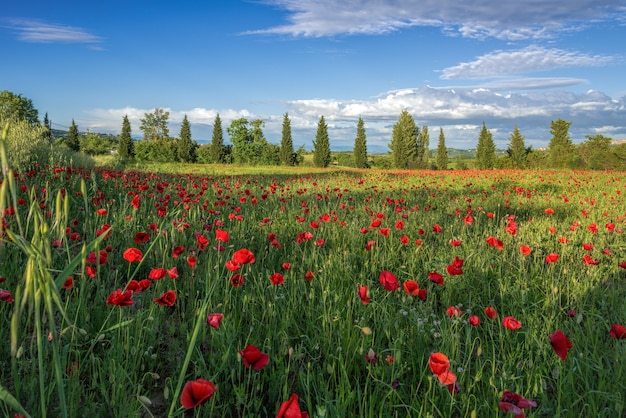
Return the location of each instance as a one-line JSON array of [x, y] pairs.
[[224, 292]]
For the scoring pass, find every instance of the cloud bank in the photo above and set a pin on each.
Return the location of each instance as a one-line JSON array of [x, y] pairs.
[[513, 20]]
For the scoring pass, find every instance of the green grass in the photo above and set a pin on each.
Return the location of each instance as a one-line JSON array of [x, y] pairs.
[[134, 360]]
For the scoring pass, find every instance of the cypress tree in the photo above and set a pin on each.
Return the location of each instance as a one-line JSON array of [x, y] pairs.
[[403, 143], [286, 143], [186, 147], [442, 152], [360, 146], [48, 128], [73, 142], [561, 147], [126, 148], [423, 152], [321, 145], [517, 149], [217, 142], [486, 149]]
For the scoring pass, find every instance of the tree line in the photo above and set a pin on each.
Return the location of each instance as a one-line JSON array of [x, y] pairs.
[[409, 147]]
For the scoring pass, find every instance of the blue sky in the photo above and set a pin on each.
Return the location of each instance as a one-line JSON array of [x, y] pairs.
[[451, 64]]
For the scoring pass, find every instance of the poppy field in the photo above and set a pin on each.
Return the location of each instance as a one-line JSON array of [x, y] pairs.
[[322, 294]]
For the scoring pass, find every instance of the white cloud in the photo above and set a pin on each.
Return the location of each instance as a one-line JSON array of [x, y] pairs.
[[41, 32], [512, 20], [532, 58]]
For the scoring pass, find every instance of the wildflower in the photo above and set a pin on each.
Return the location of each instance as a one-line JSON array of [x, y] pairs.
[[491, 312], [371, 356], [253, 357], [291, 409], [141, 237], [440, 366], [512, 402], [474, 320], [525, 250], [411, 287], [560, 343], [277, 278], [6, 296], [119, 298], [196, 392], [166, 299], [618, 331], [389, 281], [364, 294], [157, 274], [552, 258], [244, 256], [214, 320], [133, 255], [436, 278], [237, 280], [454, 269], [511, 323]]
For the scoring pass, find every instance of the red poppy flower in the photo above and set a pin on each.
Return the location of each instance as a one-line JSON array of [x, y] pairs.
[[437, 228], [136, 202], [494, 242], [291, 409], [91, 271], [173, 273], [177, 251], [237, 280], [232, 265], [622, 264], [422, 294], [157, 274], [589, 261], [436, 278], [552, 258], [454, 311], [525, 250], [133, 255], [411, 287], [474, 320], [511, 323], [191, 261], [404, 240], [440, 366], [196, 392], [253, 357], [141, 237], [389, 280], [514, 403], [308, 276], [560, 343], [243, 256], [454, 269], [68, 283], [101, 212], [214, 319], [138, 286], [587, 246], [364, 294], [549, 211], [277, 278], [618, 331], [166, 299], [491, 312], [6, 296], [119, 298]]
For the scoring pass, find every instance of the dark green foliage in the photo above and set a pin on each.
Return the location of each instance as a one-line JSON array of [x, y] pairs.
[[423, 151], [561, 147], [485, 150], [286, 143], [442, 152], [154, 125], [48, 128], [517, 149], [403, 143], [216, 149], [97, 144], [73, 142], [126, 148], [249, 144], [15, 107], [159, 150], [186, 146], [321, 145], [360, 146]]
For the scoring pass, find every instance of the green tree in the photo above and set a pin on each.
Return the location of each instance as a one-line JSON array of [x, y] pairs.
[[248, 140], [442, 152], [96, 144], [485, 150], [154, 125], [186, 146], [217, 142], [48, 128], [561, 147], [126, 147], [16, 107], [360, 146], [403, 143], [517, 149], [73, 142], [286, 143], [321, 145], [596, 152], [423, 151]]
